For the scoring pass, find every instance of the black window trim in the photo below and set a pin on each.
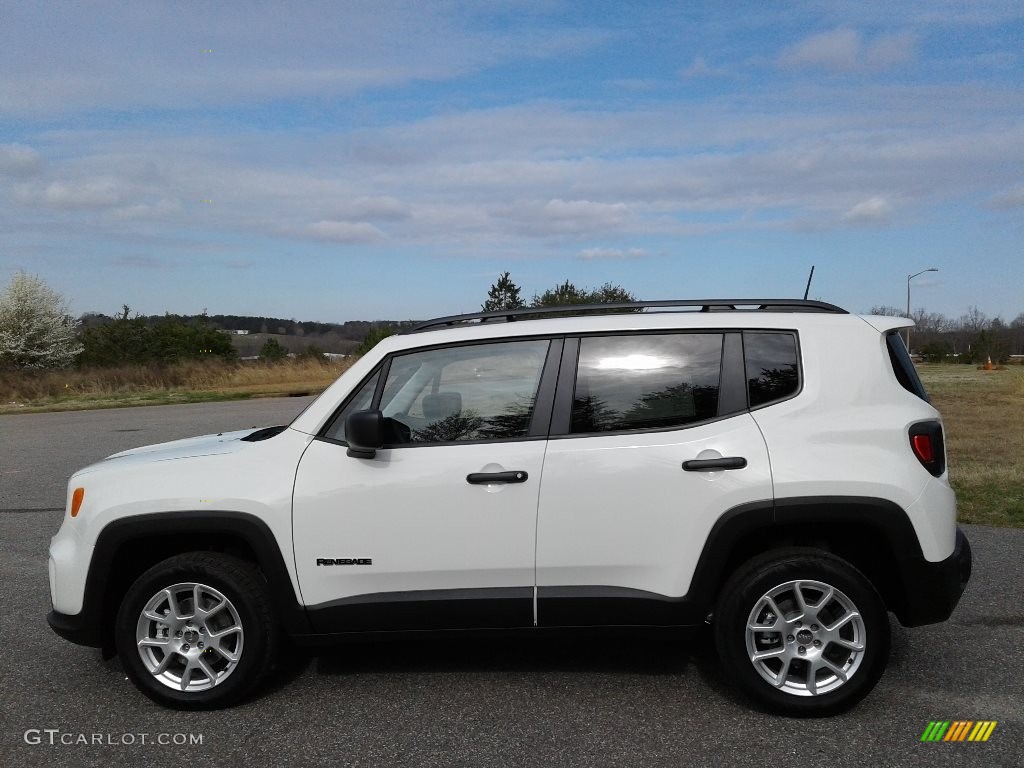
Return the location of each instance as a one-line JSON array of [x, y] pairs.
[[799, 367], [560, 366], [562, 420], [542, 408]]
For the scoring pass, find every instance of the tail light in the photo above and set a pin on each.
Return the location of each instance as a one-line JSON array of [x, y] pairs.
[[928, 445]]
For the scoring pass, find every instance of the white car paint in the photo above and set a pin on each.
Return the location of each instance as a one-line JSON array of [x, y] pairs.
[[605, 510], [412, 511], [216, 472], [620, 511]]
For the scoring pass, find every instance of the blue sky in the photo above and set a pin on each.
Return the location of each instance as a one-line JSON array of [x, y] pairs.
[[347, 160]]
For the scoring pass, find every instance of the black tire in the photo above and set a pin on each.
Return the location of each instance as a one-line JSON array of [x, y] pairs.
[[244, 586], [763, 574]]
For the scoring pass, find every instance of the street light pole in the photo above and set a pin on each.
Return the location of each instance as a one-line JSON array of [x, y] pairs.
[[909, 278]]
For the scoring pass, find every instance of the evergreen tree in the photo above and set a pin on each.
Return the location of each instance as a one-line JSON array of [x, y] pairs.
[[503, 295], [273, 351]]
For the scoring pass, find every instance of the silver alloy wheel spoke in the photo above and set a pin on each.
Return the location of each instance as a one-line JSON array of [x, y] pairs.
[[218, 607], [800, 602], [825, 600], [850, 616], [207, 670], [172, 603], [165, 662], [841, 674], [780, 679], [849, 645], [815, 641], [229, 655], [190, 651]]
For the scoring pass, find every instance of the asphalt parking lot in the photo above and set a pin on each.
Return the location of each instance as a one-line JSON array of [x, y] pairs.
[[575, 701]]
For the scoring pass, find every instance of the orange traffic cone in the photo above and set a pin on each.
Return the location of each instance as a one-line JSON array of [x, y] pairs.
[[988, 364]]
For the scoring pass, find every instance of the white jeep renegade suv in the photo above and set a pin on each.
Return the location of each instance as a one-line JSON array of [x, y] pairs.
[[770, 467]]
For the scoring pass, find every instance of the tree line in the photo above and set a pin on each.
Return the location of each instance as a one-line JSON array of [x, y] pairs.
[[36, 330], [973, 337]]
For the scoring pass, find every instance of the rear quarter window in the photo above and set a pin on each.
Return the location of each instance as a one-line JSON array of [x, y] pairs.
[[903, 366], [772, 364]]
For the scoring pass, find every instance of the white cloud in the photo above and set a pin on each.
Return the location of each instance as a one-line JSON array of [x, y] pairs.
[[569, 217], [74, 195], [375, 208], [172, 57], [591, 254], [19, 160], [541, 175], [699, 67], [874, 210], [345, 232], [836, 50], [632, 84], [586, 212], [160, 209], [1004, 201], [845, 50], [889, 50]]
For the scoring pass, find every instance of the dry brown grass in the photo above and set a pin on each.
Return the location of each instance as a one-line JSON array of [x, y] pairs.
[[984, 416], [28, 391]]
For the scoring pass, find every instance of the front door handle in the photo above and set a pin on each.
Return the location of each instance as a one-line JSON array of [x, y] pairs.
[[483, 478], [713, 465]]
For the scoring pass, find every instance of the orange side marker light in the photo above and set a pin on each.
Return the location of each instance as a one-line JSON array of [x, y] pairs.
[[76, 501]]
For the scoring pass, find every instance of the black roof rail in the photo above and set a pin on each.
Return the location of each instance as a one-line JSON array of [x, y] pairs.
[[705, 305]]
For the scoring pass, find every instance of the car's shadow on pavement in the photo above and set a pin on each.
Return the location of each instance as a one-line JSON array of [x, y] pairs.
[[658, 653]]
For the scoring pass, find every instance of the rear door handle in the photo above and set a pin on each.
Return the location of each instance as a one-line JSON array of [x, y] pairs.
[[713, 465], [483, 478]]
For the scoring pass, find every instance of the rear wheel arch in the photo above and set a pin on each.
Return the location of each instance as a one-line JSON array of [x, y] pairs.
[[802, 632], [873, 535]]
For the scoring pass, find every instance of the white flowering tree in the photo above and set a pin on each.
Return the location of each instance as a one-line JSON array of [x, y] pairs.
[[35, 328]]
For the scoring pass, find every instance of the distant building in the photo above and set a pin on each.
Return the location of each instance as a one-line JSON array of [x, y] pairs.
[[239, 333]]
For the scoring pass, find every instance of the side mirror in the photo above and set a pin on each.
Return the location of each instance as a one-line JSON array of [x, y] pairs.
[[364, 431]]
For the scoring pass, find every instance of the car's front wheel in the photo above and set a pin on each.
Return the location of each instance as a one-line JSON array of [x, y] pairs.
[[802, 632], [197, 630]]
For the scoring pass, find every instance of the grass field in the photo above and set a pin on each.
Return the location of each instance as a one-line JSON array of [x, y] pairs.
[[983, 412], [984, 416], [190, 382]]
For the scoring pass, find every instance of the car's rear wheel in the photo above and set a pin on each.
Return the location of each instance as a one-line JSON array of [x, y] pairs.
[[802, 632], [197, 631]]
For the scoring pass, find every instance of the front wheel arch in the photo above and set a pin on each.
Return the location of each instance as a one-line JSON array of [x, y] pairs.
[[128, 546]]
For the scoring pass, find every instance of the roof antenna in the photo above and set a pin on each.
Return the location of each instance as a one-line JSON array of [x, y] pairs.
[[810, 277]]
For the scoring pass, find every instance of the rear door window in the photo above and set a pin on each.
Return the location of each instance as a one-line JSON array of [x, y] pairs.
[[646, 381]]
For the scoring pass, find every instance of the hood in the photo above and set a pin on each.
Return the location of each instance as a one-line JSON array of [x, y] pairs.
[[205, 445]]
